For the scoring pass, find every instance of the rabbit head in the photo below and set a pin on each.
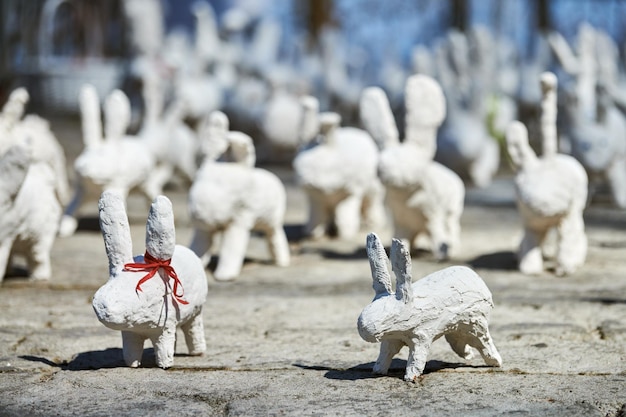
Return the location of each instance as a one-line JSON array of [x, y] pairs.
[[384, 315], [517, 145]]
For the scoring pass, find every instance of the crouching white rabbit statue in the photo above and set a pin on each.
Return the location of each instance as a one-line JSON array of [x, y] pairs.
[[453, 302], [150, 296]]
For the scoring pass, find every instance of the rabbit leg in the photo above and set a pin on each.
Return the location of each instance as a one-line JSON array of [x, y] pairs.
[[480, 338], [164, 346], [159, 175], [5, 255], [194, 335], [572, 248], [38, 258], [69, 223], [388, 349], [132, 347], [616, 176], [483, 168], [278, 244], [530, 256], [348, 216], [201, 245], [373, 208], [233, 251], [418, 353], [318, 217], [440, 242]]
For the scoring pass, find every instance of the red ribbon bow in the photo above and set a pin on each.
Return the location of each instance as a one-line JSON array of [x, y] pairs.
[[152, 265]]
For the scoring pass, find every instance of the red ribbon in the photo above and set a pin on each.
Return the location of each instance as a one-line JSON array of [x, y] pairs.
[[152, 265]]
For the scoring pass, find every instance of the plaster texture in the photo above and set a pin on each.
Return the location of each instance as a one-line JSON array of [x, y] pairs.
[[232, 199], [113, 161], [551, 192], [34, 188], [453, 302], [283, 341], [138, 305], [425, 198], [337, 167]]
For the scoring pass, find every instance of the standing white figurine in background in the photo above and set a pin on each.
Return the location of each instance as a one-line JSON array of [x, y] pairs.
[[336, 166], [150, 296], [113, 162], [453, 302], [551, 192], [424, 196], [234, 198]]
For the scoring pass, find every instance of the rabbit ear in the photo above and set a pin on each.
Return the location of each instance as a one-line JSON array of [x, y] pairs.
[[378, 265], [160, 232], [14, 108], [425, 110], [309, 124], [117, 114], [377, 117], [90, 115], [115, 231], [549, 140], [242, 148], [401, 266]]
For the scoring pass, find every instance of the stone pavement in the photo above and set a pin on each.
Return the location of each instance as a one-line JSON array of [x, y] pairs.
[[283, 341]]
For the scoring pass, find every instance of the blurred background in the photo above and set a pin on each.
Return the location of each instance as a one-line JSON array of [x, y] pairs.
[[240, 56]]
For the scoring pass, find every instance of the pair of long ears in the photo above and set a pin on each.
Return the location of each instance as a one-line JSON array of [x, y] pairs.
[[160, 231], [117, 112], [400, 264]]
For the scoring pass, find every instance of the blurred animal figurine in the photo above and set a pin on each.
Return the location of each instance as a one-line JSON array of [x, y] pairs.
[[115, 162], [551, 192], [234, 198], [453, 302], [424, 196], [150, 296], [30, 212], [336, 166]]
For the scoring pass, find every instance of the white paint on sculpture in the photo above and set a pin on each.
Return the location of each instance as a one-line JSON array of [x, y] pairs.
[[551, 192], [151, 295], [425, 197], [34, 187], [234, 198], [453, 302], [336, 166], [117, 162]]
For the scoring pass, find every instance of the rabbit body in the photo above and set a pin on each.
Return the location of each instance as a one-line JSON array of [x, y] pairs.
[[338, 173], [424, 196], [235, 198], [453, 302], [551, 192], [154, 309], [31, 213]]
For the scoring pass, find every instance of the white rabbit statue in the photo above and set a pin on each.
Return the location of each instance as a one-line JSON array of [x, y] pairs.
[[151, 295], [113, 162], [234, 198], [337, 166], [453, 302], [30, 211], [551, 192], [425, 197]]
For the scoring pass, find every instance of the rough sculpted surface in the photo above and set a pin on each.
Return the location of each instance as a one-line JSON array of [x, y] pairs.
[[234, 198], [453, 302], [551, 192], [337, 166], [424, 196], [113, 162], [33, 190], [151, 295]]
